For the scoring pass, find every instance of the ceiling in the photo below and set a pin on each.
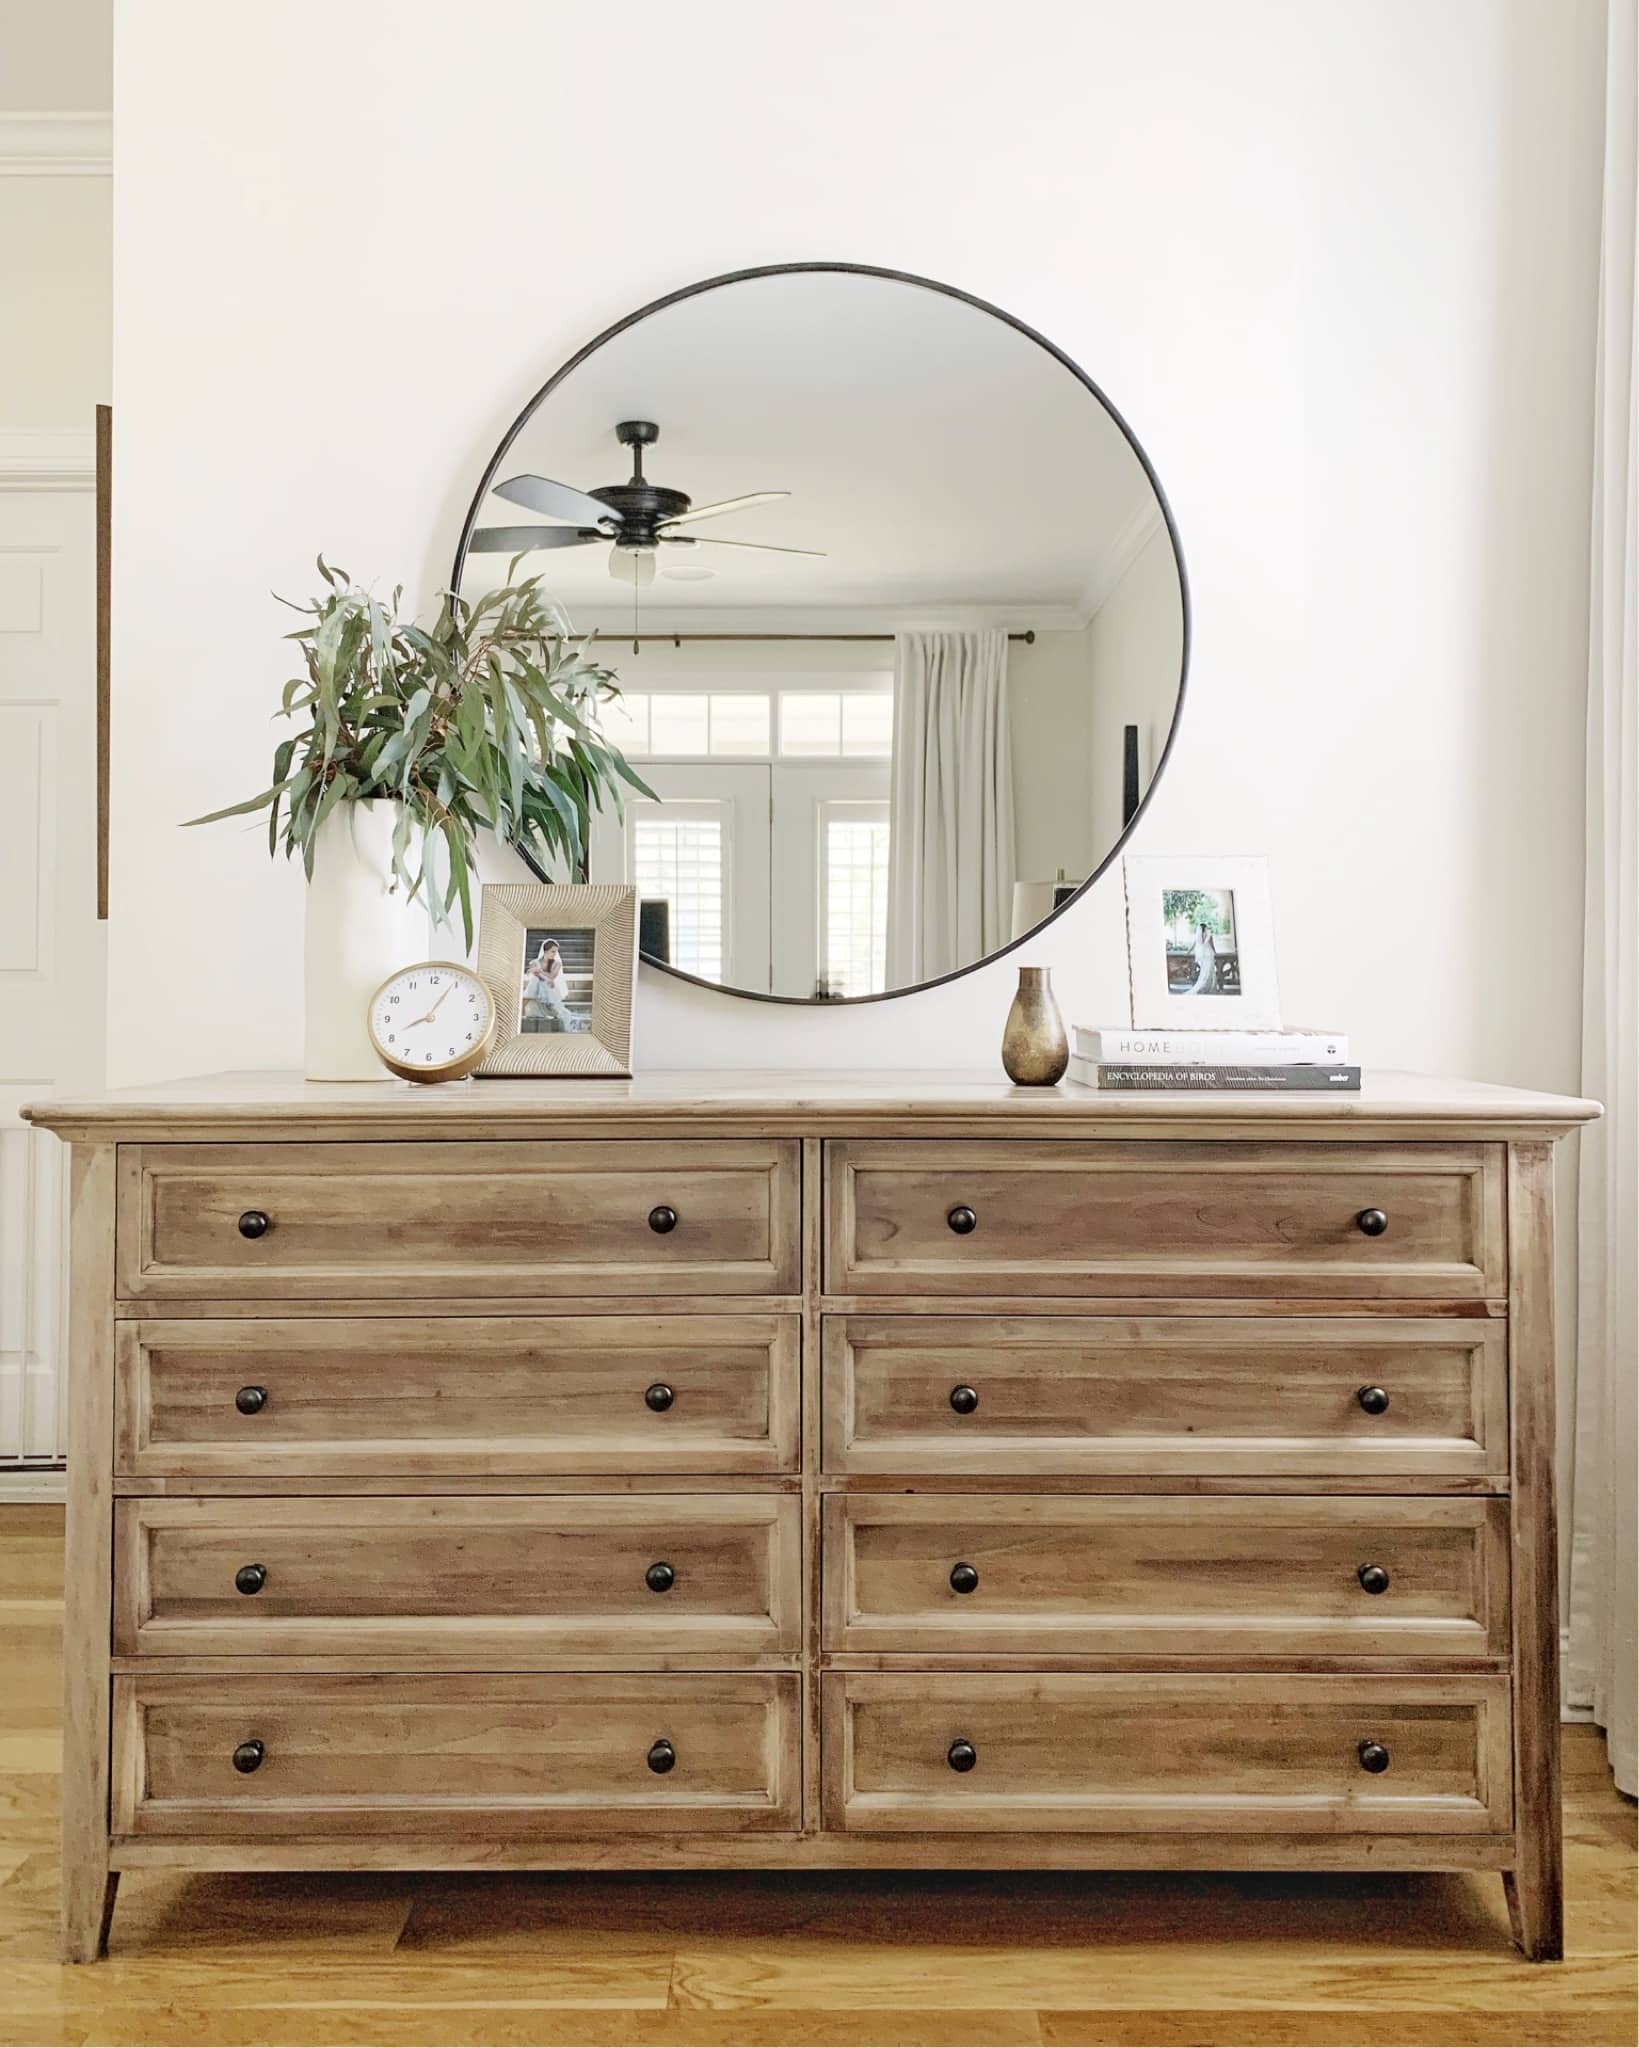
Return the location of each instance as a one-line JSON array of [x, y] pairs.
[[938, 457]]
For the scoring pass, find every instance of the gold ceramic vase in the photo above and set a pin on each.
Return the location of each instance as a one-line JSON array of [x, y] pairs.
[[1035, 1051]]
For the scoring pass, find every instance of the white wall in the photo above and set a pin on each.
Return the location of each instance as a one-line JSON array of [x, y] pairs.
[[1336, 265]]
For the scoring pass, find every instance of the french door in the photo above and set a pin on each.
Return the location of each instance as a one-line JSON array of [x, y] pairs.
[[774, 875]]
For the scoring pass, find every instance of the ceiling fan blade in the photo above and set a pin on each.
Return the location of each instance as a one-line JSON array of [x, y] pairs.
[[723, 505], [762, 547], [556, 501], [523, 540], [627, 565]]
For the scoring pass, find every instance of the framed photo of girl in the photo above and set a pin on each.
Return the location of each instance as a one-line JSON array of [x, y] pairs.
[[560, 959], [1200, 943]]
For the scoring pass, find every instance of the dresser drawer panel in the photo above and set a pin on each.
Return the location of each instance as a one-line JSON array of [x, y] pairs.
[[960, 1574], [384, 1395], [274, 1222], [931, 1752], [496, 1577], [1246, 1396], [1164, 1219], [501, 1754]]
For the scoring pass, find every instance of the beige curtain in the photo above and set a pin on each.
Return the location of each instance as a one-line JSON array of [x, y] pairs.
[[1604, 1607], [950, 839]]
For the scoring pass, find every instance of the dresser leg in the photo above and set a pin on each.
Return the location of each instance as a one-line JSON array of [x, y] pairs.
[[88, 1912], [1536, 1912]]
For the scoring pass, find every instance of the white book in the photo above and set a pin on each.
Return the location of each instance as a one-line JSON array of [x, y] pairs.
[[1123, 1044]]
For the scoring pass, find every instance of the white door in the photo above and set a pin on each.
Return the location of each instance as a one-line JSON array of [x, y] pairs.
[[703, 850], [52, 981], [830, 854]]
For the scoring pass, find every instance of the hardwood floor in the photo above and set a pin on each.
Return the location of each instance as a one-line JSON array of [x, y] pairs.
[[1213, 1962]]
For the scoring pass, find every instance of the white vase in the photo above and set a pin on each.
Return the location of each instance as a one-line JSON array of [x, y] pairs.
[[360, 928]]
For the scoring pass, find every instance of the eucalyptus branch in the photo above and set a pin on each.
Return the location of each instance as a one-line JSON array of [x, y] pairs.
[[486, 719]]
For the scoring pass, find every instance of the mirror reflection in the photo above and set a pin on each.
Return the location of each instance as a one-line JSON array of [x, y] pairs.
[[896, 610]]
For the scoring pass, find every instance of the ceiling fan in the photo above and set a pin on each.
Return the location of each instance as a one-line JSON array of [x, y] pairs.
[[637, 517]]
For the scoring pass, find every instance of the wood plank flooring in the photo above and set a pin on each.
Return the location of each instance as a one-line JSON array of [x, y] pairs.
[[674, 1961]]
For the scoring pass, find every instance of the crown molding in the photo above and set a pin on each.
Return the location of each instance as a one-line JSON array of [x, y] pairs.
[[48, 462], [1129, 542], [56, 145]]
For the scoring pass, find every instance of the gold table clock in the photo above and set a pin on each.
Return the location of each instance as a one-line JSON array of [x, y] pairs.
[[432, 1022]]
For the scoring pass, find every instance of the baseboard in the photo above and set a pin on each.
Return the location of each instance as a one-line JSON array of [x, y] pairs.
[[32, 1484]]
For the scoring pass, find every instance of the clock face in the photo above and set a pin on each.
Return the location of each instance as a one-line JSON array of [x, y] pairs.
[[432, 1022]]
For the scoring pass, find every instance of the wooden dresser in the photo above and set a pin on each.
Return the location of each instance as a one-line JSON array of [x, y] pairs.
[[811, 1471]]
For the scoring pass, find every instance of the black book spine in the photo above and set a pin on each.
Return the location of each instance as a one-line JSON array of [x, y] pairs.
[[1242, 1080]]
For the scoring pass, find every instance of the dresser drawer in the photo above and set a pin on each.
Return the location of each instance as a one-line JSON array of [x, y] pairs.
[[1137, 1575], [317, 1221], [423, 1395], [504, 1754], [1151, 1752], [500, 1577], [930, 1217], [1351, 1397]]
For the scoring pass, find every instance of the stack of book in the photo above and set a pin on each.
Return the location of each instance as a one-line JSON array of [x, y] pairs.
[[1119, 1056]]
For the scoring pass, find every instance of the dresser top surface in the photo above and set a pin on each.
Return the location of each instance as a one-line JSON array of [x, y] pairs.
[[779, 1100]]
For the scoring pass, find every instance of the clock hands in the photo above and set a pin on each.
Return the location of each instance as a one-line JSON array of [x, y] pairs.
[[433, 1012]]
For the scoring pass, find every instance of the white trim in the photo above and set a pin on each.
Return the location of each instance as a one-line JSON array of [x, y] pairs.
[[31, 1483], [1129, 543], [48, 462], [56, 145]]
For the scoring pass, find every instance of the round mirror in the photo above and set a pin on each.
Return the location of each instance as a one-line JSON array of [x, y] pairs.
[[897, 609]]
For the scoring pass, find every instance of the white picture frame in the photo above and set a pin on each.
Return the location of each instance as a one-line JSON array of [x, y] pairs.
[[1224, 978]]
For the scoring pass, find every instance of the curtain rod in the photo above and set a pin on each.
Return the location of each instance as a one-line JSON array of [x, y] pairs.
[[678, 639]]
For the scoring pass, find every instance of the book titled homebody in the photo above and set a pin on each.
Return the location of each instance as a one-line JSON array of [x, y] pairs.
[[1248, 1079], [1121, 1044]]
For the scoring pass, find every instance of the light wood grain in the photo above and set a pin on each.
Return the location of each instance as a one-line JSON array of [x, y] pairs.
[[88, 1883], [492, 1580], [507, 1754], [1068, 1217], [1058, 1576], [459, 1394], [237, 1108], [1177, 1755], [1536, 1885], [1165, 1395], [427, 1220]]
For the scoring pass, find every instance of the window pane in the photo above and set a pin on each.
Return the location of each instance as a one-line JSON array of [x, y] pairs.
[[625, 722], [680, 861], [739, 724], [854, 850], [678, 725], [810, 722], [867, 722]]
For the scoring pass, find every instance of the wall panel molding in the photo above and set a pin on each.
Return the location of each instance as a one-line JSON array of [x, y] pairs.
[[70, 145], [48, 462]]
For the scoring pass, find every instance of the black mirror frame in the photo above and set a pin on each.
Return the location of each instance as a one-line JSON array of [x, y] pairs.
[[950, 291]]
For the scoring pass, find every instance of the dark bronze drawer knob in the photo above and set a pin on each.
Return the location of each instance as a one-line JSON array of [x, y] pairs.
[[962, 1220], [1372, 1222], [660, 1578], [964, 1579], [250, 1578], [1375, 1400], [1373, 1578], [662, 1219], [1373, 1757], [659, 1397], [255, 1223], [961, 1756], [250, 1400], [662, 1757], [964, 1399], [248, 1757]]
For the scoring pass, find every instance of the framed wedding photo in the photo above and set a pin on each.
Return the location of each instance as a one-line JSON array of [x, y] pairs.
[[560, 959], [1200, 943]]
